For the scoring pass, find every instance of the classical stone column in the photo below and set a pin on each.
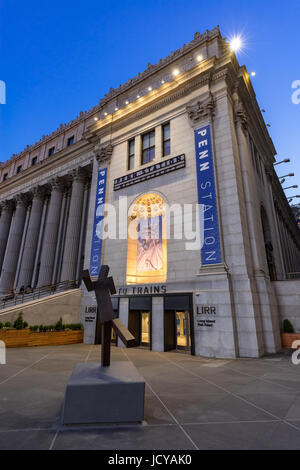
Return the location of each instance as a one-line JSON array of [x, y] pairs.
[[12, 252], [30, 246], [72, 239], [83, 229], [5, 221], [50, 234]]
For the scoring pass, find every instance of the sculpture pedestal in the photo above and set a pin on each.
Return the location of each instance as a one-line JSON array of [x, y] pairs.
[[96, 394]]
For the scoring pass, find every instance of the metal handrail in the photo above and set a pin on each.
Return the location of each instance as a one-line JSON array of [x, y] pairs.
[[37, 293]]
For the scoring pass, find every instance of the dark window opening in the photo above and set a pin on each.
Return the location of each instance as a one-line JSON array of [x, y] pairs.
[[70, 141], [131, 149], [166, 140], [51, 151], [148, 147]]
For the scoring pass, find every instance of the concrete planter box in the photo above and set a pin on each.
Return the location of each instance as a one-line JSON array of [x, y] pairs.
[[287, 339], [24, 338]]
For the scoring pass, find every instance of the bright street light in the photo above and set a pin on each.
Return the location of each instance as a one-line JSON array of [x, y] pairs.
[[236, 43]]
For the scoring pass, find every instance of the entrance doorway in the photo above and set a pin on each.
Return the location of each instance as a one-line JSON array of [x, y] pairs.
[[177, 332], [139, 324], [145, 328], [183, 334]]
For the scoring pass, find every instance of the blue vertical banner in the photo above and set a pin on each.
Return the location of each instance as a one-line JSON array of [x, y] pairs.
[[96, 250], [211, 250]]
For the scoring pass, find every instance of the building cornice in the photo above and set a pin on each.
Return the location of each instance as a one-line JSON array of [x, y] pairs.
[[49, 167], [199, 40]]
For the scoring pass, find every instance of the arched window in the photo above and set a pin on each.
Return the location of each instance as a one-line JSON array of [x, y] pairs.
[[147, 243]]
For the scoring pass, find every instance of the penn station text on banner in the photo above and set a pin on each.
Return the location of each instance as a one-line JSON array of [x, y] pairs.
[[211, 250]]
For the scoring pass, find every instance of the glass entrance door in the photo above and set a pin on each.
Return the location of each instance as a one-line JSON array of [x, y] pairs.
[[183, 337], [145, 328]]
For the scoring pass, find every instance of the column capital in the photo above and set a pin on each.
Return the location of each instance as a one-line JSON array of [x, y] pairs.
[[241, 116], [80, 174], [103, 153], [7, 205], [201, 110], [40, 192], [77, 174], [22, 199], [57, 184]]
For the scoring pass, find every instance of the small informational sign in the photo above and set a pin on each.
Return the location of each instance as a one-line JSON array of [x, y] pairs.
[[206, 315], [90, 314], [98, 223], [158, 169], [211, 250]]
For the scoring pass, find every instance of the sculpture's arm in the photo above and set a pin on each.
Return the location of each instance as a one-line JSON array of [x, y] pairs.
[[124, 334], [111, 285], [87, 280]]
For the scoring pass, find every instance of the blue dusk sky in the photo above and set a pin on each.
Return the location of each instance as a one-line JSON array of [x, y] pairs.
[[60, 57]]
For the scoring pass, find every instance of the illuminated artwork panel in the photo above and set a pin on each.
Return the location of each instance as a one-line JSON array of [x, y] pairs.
[[149, 247], [147, 251]]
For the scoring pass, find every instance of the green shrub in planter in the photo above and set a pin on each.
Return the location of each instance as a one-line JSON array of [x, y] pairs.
[[75, 326], [19, 324], [7, 324], [1, 325], [41, 328], [59, 325], [33, 328], [287, 326]]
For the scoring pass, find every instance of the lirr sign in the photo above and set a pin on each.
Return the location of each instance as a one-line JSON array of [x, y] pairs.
[[211, 249]]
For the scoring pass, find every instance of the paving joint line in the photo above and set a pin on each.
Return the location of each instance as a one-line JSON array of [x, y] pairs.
[[165, 406], [233, 394]]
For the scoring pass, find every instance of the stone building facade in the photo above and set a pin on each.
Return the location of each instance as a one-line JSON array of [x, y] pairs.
[[145, 141]]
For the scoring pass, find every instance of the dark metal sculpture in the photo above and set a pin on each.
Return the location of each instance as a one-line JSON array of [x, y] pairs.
[[103, 288]]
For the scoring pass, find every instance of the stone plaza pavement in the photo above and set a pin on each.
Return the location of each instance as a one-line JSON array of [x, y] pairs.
[[191, 402]]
